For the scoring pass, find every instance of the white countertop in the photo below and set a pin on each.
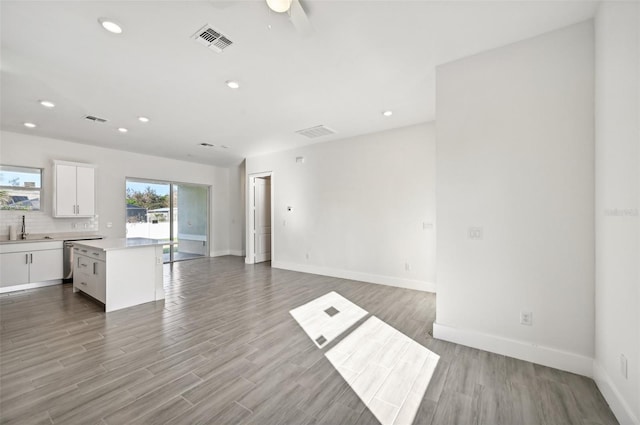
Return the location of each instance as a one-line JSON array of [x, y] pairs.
[[123, 243]]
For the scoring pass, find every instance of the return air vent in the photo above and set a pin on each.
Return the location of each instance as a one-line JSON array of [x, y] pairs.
[[212, 39], [94, 119], [317, 131]]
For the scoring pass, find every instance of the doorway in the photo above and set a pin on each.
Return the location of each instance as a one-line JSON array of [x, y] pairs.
[[174, 213], [260, 240]]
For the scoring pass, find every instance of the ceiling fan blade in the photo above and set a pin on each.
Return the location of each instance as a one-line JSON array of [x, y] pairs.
[[299, 18]]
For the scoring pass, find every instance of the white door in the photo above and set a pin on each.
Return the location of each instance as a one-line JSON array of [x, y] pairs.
[[85, 193], [65, 190], [262, 217], [14, 268]]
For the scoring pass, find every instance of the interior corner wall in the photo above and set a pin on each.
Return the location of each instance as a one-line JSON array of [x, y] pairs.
[[617, 331], [363, 208], [236, 212], [515, 196], [114, 166]]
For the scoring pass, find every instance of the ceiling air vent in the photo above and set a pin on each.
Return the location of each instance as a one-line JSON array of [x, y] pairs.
[[212, 39], [94, 119], [317, 131]]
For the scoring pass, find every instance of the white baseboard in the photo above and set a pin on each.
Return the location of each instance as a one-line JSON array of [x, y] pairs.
[[618, 405], [222, 252], [30, 286], [418, 285], [546, 356]]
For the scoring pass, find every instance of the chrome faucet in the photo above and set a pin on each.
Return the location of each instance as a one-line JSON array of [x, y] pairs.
[[23, 232]]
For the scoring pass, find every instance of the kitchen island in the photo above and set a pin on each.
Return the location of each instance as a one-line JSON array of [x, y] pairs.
[[119, 273]]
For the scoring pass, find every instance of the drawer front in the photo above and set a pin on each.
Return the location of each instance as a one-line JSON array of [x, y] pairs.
[[96, 254], [86, 283], [8, 247]]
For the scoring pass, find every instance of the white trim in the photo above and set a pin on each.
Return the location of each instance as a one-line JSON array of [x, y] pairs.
[[24, 286], [236, 252], [417, 285], [546, 356], [618, 405], [220, 253]]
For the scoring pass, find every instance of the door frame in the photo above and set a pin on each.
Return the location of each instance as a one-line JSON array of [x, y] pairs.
[[250, 217]]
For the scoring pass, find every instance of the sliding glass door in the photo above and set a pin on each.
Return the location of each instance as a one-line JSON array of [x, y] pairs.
[[190, 221], [175, 213]]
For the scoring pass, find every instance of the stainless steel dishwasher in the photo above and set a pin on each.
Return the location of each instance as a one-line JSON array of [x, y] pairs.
[[67, 257]]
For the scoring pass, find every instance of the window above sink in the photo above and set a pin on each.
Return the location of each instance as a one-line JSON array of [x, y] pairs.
[[20, 188]]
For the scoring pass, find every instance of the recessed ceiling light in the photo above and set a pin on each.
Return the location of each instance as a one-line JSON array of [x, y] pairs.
[[387, 113], [143, 119], [122, 130], [47, 104], [279, 6], [29, 125], [233, 84], [110, 26]]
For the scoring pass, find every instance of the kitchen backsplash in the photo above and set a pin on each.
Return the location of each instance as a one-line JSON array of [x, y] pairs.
[[39, 222]]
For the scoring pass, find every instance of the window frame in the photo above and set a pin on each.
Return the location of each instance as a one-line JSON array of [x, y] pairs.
[[23, 189]]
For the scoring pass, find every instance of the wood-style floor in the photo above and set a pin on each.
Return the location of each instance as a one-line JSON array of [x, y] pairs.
[[223, 349]]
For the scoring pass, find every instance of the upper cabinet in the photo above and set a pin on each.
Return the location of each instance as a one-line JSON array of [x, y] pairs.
[[74, 189]]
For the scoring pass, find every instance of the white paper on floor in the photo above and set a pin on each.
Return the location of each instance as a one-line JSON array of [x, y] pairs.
[[322, 323], [389, 371]]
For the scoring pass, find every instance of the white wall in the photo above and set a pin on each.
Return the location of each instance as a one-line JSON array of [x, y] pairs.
[[359, 205], [113, 168], [617, 328], [515, 156], [237, 200]]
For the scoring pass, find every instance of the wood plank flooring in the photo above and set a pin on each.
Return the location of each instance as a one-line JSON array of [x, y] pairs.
[[223, 349]]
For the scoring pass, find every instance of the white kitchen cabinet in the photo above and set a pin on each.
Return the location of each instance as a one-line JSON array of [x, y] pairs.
[[29, 263], [74, 190], [45, 265], [119, 273], [90, 275], [14, 268]]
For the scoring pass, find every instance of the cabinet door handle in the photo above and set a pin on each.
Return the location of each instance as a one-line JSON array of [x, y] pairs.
[[83, 283], [26, 258], [95, 253], [78, 209], [94, 268], [78, 261], [31, 258]]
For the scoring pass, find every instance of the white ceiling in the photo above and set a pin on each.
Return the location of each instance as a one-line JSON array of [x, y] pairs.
[[363, 58]]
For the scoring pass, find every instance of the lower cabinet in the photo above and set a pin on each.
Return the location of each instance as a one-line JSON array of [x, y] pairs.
[[90, 277], [34, 262]]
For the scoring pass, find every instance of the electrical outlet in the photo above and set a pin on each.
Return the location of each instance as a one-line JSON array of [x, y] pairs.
[[109, 225], [526, 318], [427, 226], [475, 233], [407, 267], [623, 366]]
